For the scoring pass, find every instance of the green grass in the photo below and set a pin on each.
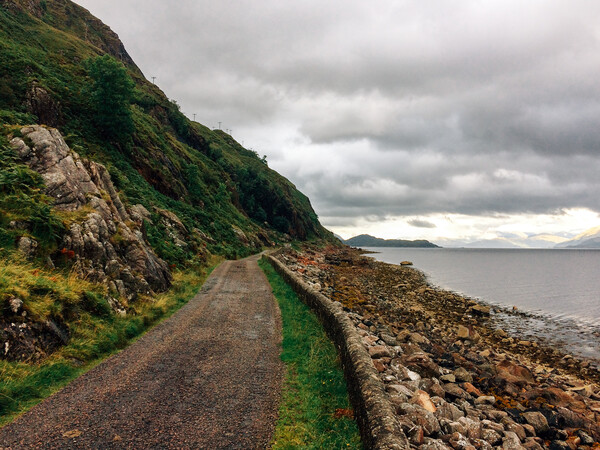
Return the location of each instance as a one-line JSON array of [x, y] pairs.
[[314, 389], [96, 333]]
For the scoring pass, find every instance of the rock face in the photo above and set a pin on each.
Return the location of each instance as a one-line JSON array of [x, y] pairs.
[[40, 103], [105, 241]]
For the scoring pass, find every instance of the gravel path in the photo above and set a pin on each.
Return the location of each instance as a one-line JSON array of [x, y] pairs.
[[209, 377]]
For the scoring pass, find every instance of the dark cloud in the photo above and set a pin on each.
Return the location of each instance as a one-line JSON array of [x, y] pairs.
[[421, 223], [399, 109]]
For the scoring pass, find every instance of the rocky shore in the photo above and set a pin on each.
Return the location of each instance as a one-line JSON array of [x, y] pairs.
[[455, 380]]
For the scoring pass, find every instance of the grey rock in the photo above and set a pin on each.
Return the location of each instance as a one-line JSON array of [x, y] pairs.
[[420, 416], [389, 339], [104, 246], [472, 427], [537, 420], [516, 428], [434, 444], [496, 426], [480, 310], [448, 411], [511, 441], [463, 374], [485, 400], [455, 391], [399, 389], [491, 436], [139, 213], [418, 339], [452, 427], [460, 442], [27, 246], [531, 444], [379, 351], [529, 430], [15, 304], [448, 378]]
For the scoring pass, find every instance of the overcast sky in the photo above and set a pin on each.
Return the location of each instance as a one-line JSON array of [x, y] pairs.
[[402, 119]]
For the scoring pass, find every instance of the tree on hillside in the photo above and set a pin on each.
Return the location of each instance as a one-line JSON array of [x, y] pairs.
[[111, 94]]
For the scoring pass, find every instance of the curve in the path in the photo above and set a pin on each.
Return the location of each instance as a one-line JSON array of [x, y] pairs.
[[209, 377]]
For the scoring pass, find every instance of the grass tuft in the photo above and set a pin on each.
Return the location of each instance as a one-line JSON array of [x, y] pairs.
[[314, 410]]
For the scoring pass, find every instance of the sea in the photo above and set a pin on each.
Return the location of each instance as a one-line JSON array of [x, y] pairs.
[[548, 295]]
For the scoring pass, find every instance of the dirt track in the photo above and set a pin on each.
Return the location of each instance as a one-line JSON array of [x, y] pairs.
[[209, 377]]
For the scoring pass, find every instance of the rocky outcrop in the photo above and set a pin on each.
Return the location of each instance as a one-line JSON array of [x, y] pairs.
[[40, 103], [104, 240]]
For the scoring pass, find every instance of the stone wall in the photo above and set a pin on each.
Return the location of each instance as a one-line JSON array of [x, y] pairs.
[[378, 424]]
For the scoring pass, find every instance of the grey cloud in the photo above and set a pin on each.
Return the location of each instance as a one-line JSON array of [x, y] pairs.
[[452, 107], [421, 223]]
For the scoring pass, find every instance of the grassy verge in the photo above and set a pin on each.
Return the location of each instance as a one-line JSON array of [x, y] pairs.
[[314, 408], [94, 336]]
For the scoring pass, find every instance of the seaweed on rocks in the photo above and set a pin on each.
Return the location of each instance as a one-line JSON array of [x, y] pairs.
[[455, 378]]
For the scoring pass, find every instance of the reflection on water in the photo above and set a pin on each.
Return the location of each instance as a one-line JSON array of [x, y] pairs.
[[558, 289]]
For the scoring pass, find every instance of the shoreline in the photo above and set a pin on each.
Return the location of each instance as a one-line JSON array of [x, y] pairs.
[[437, 335], [556, 330]]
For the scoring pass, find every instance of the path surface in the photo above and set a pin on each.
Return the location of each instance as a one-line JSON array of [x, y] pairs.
[[209, 377]]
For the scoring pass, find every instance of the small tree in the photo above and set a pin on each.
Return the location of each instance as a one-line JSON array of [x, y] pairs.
[[111, 94]]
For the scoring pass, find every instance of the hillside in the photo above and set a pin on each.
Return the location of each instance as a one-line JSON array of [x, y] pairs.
[[108, 193], [588, 239], [365, 240]]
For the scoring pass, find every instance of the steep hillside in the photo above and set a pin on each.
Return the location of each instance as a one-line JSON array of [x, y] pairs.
[[102, 178], [205, 177]]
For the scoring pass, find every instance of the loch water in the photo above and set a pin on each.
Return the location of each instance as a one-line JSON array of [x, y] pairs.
[[556, 292]]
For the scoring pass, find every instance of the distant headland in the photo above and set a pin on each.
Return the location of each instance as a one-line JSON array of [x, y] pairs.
[[366, 240]]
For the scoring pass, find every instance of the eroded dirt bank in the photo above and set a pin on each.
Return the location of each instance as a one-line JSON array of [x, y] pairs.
[[455, 380]]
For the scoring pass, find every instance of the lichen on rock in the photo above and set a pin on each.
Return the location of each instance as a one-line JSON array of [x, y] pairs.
[[107, 245]]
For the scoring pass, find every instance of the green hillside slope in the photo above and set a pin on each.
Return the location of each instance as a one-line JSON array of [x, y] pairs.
[[203, 176], [112, 202]]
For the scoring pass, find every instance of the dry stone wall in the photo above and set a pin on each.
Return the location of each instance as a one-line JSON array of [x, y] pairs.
[[378, 423]]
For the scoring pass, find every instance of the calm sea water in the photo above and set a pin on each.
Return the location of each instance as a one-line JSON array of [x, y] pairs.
[[559, 288]]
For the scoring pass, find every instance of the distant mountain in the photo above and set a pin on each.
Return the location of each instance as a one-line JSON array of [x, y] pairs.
[[511, 241], [588, 239], [365, 240]]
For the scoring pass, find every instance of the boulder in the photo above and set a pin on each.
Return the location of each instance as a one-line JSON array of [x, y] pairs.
[[379, 351], [511, 441], [537, 420], [420, 416], [463, 374], [514, 373], [27, 246], [422, 399], [480, 310]]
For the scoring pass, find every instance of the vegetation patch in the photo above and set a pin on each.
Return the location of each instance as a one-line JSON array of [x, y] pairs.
[[95, 330], [314, 411]]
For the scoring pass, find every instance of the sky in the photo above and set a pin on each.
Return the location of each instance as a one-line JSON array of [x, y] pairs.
[[441, 120]]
